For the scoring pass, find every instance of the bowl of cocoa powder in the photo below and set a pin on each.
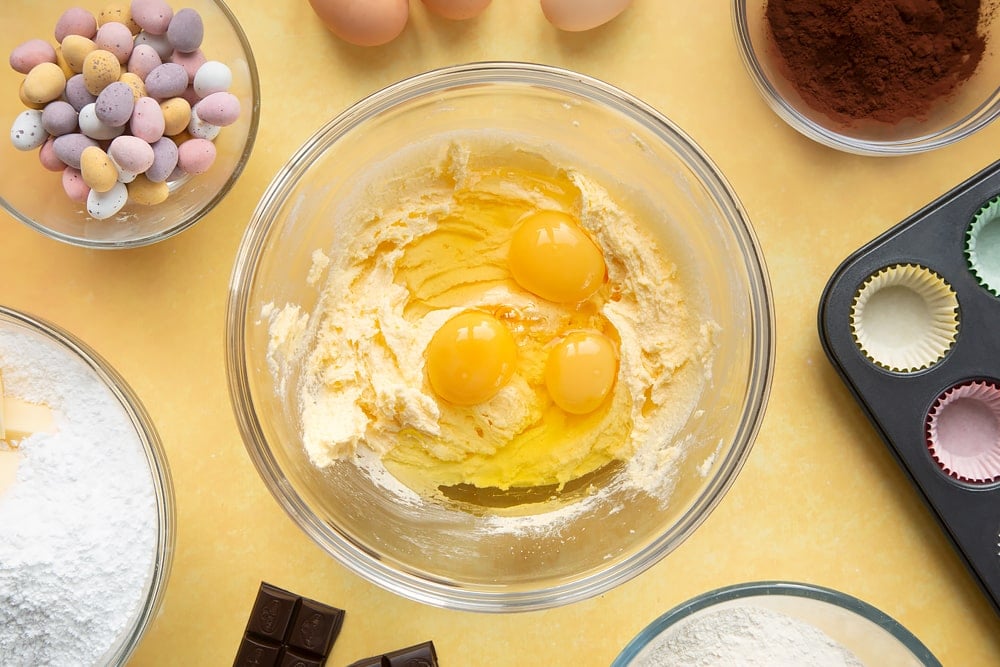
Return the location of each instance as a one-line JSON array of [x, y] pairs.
[[875, 77]]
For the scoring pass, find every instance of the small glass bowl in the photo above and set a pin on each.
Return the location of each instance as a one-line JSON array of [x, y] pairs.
[[973, 106], [437, 553], [47, 334], [33, 195], [874, 637]]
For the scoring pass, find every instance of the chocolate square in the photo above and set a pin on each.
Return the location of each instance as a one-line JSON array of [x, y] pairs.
[[293, 659], [272, 613], [315, 627], [419, 655], [257, 653]]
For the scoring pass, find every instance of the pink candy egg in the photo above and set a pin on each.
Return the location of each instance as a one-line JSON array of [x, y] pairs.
[[195, 156], [153, 16], [131, 153], [116, 38], [144, 59], [47, 156], [72, 182], [33, 52], [76, 21], [220, 109], [147, 121]]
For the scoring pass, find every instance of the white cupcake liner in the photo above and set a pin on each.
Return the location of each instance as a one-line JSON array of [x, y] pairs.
[[982, 246], [905, 318], [963, 432]]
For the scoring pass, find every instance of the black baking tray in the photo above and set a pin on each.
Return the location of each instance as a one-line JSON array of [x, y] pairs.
[[897, 404]]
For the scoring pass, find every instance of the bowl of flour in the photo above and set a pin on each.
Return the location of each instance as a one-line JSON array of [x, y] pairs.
[[775, 623], [86, 503]]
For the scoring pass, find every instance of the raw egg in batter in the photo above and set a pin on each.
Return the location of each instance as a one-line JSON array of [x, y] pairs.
[[470, 358], [552, 257], [581, 370]]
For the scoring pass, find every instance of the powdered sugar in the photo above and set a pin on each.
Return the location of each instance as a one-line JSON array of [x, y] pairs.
[[78, 528], [745, 636]]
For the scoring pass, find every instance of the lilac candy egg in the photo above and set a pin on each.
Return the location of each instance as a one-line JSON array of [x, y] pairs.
[[164, 160], [131, 153], [27, 133], [153, 16], [167, 80], [94, 127], [116, 38], [220, 109], [114, 104], [144, 59], [159, 44], [77, 94], [76, 21], [186, 30], [69, 148], [147, 120], [59, 118], [47, 156], [26, 55], [195, 156], [74, 186]]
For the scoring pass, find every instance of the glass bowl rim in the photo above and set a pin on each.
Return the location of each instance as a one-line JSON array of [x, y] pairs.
[[740, 591], [976, 120], [434, 590], [156, 458], [205, 208]]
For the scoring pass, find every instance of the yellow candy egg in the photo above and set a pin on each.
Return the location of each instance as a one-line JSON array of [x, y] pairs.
[[580, 371], [470, 358], [98, 171], [75, 49], [24, 98], [552, 257], [176, 115], [100, 69], [147, 193], [44, 83]]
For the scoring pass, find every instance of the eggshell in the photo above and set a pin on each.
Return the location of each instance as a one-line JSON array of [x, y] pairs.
[[26, 132], [59, 118], [147, 120], [100, 68], [580, 15], [195, 156], [146, 192], [167, 80], [212, 77], [75, 49], [363, 22], [98, 171], [186, 30], [30, 53], [103, 205], [70, 147], [44, 83], [220, 109], [75, 21], [116, 38], [114, 105], [73, 185], [457, 10], [153, 16]]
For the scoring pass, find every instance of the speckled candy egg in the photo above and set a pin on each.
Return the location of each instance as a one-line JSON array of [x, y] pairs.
[[164, 160], [176, 115], [73, 185], [59, 118], [116, 38], [77, 94], [144, 59], [118, 13], [153, 16], [146, 192], [195, 156], [26, 132], [167, 80], [75, 21], [200, 129], [30, 53], [47, 156], [70, 147], [135, 83], [220, 109], [100, 69], [186, 30], [158, 43], [99, 173], [114, 105], [147, 120], [103, 205], [191, 62], [94, 127], [131, 153], [74, 51]]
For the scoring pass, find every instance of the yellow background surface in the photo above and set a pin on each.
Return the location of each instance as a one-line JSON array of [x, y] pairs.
[[820, 499]]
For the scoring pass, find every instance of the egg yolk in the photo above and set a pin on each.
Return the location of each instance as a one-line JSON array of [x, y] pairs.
[[580, 371], [550, 256], [470, 358]]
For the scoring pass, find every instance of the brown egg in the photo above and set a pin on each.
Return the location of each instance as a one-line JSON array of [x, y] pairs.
[[363, 22], [457, 9], [579, 15]]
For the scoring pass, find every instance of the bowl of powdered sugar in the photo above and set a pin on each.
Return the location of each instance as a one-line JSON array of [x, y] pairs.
[[775, 623], [86, 504]]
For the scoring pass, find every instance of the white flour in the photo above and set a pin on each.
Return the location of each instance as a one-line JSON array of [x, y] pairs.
[[745, 637], [78, 528]]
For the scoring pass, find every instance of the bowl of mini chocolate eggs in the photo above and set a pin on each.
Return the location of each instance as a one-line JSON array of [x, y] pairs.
[[128, 122]]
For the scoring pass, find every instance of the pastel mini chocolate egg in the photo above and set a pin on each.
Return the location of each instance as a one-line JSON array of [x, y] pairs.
[[44, 83], [580, 15], [59, 118], [76, 92], [167, 80], [94, 127], [75, 49], [176, 115], [201, 129], [99, 173], [118, 13], [75, 21], [114, 105], [212, 77], [103, 205], [147, 120], [116, 38], [144, 59], [153, 16], [146, 192], [73, 185], [164, 160], [131, 153], [159, 43], [47, 156], [25, 101], [134, 82], [191, 62], [196, 156], [70, 147], [369, 23], [61, 61], [186, 30], [457, 10], [26, 132], [220, 109], [33, 52], [100, 69]]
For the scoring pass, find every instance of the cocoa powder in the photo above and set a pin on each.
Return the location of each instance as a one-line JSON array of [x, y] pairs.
[[885, 60]]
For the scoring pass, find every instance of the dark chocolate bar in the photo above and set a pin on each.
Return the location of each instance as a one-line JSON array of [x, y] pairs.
[[419, 655], [288, 630]]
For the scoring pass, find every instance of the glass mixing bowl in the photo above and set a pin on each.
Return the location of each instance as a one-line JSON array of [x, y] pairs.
[[34, 195], [975, 104], [63, 344], [450, 556], [874, 637]]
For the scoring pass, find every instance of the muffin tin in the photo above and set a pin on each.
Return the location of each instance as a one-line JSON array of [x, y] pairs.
[[911, 322]]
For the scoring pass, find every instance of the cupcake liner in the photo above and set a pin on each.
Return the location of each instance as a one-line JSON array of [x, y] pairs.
[[982, 246], [905, 318], [963, 432]]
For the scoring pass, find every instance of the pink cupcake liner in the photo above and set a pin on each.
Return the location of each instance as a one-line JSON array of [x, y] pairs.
[[963, 432]]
